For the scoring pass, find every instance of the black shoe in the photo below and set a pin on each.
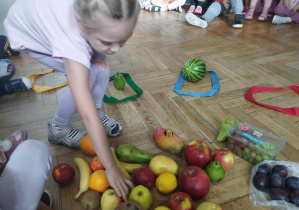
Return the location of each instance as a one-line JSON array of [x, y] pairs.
[[46, 198], [15, 85], [178, 9], [238, 21]]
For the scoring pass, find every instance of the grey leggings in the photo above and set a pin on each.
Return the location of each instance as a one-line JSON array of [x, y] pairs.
[[98, 77], [216, 9]]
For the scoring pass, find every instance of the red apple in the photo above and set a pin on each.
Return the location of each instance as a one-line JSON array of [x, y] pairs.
[[225, 157], [198, 153], [63, 173], [194, 181], [144, 176], [180, 201]]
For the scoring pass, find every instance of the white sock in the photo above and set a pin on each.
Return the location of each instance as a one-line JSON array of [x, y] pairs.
[[163, 8], [288, 19]]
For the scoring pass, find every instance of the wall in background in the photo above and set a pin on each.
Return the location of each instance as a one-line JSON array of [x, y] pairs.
[[4, 7]]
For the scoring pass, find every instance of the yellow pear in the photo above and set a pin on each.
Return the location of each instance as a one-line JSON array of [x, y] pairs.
[[160, 164]]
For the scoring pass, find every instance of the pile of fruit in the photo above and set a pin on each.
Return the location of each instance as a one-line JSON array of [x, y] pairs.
[[277, 183]]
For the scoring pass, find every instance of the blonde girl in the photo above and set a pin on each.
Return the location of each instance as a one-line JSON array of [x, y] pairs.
[[73, 37]]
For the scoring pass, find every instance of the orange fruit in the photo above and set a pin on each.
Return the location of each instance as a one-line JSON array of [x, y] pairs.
[[98, 181], [96, 164], [86, 146]]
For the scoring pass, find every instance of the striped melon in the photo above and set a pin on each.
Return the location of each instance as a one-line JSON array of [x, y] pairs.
[[194, 70]]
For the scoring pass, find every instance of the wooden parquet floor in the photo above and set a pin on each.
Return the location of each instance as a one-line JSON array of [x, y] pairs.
[[258, 54]]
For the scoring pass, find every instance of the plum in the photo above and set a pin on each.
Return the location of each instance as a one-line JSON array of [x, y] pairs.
[[292, 183], [294, 197], [276, 181], [264, 168], [281, 169], [261, 181], [278, 194]]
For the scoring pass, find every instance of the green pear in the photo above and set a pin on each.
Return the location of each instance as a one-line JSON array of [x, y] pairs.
[[225, 125], [119, 82], [215, 171]]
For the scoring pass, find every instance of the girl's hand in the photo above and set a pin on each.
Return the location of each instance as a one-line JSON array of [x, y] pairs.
[[226, 4], [118, 182]]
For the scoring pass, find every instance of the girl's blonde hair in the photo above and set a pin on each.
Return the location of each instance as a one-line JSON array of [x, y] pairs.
[[115, 9]]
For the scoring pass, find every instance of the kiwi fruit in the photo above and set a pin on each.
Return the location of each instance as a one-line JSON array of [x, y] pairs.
[[90, 200]]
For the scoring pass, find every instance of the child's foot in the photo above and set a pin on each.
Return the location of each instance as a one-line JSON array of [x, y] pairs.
[[250, 13], [198, 10], [15, 85], [65, 135], [281, 20], [46, 198], [8, 146], [154, 8], [191, 9], [112, 127], [196, 20], [238, 21], [264, 15], [178, 9]]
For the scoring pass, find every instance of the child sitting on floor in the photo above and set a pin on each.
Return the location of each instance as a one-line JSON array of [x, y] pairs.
[[265, 7], [217, 8], [286, 12], [162, 5], [198, 5]]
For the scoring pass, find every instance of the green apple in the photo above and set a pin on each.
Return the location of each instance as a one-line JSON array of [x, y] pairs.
[[141, 195], [119, 82], [110, 200], [208, 205]]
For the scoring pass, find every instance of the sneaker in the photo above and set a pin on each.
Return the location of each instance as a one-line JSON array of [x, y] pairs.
[[154, 8], [65, 135], [196, 20], [46, 198], [191, 9], [178, 9], [280, 20], [238, 21], [112, 127], [15, 85], [198, 10]]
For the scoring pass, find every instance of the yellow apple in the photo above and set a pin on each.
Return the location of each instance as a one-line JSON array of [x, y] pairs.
[[208, 205], [142, 196]]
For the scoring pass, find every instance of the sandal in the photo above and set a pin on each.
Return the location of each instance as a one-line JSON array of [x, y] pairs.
[[250, 13], [264, 15], [8, 146], [198, 10], [112, 127], [191, 9], [65, 136]]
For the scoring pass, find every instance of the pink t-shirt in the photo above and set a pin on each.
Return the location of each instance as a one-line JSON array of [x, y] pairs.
[[48, 27]]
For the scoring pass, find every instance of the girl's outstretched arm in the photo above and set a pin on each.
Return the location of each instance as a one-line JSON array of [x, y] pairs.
[[78, 78]]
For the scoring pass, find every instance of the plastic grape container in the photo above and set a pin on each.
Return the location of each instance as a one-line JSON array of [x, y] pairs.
[[253, 144]]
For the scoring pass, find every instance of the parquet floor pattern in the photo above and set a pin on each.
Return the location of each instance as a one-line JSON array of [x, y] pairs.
[[258, 54]]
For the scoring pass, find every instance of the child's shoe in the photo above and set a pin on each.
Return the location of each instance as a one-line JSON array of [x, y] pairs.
[[238, 21], [112, 127], [65, 135], [280, 20], [178, 9], [15, 85], [196, 20], [46, 198], [249, 14], [264, 15], [191, 9], [8, 146], [198, 10]]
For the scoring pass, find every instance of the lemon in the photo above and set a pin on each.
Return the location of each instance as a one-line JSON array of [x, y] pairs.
[[166, 183]]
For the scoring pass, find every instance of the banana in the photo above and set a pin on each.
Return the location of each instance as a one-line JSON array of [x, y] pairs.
[[119, 165], [85, 173], [130, 167]]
